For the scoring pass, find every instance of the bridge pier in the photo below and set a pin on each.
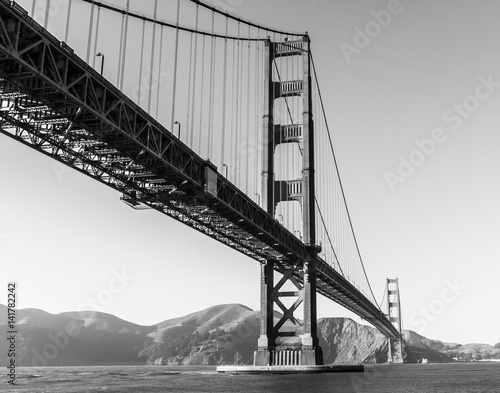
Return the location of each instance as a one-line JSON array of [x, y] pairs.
[[311, 351], [262, 357], [396, 346], [290, 341], [282, 347]]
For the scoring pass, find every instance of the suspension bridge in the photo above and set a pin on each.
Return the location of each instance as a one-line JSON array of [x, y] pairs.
[[215, 121]]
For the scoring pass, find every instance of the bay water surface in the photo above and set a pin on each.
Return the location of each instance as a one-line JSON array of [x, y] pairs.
[[406, 378]]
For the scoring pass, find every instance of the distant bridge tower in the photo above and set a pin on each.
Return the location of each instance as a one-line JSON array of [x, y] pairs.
[[289, 341], [394, 315]]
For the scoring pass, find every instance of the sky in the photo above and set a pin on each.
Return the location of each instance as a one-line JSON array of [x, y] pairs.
[[411, 90]]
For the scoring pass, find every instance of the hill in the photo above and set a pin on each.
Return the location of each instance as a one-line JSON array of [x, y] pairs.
[[74, 338], [222, 334]]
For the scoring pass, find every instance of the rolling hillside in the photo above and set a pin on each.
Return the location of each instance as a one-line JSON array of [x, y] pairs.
[[222, 334]]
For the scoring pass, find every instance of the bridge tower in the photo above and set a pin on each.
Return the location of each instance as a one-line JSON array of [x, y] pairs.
[[291, 341], [394, 315]]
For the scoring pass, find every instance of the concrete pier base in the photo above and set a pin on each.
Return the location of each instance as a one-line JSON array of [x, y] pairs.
[[329, 368], [288, 357]]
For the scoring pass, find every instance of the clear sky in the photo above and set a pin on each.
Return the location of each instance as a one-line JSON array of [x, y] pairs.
[[412, 100]]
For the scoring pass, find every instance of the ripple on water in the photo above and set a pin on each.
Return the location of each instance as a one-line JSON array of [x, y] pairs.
[[29, 376]]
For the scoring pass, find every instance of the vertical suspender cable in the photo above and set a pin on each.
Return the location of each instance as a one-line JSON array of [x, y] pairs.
[[240, 115], [325, 201], [212, 100], [224, 96], [176, 52], [211, 95], [159, 79], [201, 95], [194, 74], [67, 20], [190, 81], [33, 9], [318, 166], [257, 128], [47, 14], [141, 61], [325, 182], [319, 162], [91, 26], [327, 189], [151, 68], [120, 52], [237, 156], [124, 50], [96, 38], [233, 87], [247, 147]]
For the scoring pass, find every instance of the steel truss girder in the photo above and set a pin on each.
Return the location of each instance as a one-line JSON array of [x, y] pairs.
[[39, 70]]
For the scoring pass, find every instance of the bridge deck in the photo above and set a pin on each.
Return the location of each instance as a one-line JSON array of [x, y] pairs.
[[52, 101]]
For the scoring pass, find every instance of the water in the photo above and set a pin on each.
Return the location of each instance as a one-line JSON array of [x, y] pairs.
[[408, 378]]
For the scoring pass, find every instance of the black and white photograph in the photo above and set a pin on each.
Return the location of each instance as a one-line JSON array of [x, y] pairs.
[[249, 196]]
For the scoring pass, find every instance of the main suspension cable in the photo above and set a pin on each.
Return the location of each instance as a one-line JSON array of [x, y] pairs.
[[247, 22], [173, 25]]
